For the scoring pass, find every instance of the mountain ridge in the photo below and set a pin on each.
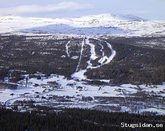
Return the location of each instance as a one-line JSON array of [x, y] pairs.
[[130, 25]]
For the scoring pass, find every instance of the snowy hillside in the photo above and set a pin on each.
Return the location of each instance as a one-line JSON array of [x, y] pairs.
[[104, 24]]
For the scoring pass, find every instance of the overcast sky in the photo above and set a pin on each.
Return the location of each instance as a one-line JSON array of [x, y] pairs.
[[148, 9]]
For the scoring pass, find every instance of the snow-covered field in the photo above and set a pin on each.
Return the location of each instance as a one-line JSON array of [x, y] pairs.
[[76, 91], [103, 24]]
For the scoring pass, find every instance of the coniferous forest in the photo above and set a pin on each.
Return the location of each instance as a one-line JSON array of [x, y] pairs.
[[75, 120]]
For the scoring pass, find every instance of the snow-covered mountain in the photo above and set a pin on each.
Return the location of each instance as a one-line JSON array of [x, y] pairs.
[[103, 24]]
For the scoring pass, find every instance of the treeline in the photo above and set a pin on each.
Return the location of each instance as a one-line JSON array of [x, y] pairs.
[[74, 120]]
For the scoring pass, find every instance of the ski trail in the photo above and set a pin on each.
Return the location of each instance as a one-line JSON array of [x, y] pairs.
[[79, 74], [93, 55], [92, 51], [105, 59], [101, 50], [113, 53], [67, 48], [81, 53]]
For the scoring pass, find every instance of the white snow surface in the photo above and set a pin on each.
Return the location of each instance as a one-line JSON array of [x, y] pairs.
[[103, 24], [67, 48], [153, 110], [77, 90]]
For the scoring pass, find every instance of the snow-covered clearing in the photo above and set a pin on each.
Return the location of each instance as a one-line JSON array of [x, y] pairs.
[[76, 90]]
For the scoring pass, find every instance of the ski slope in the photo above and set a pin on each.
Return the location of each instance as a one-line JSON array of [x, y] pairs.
[[80, 73]]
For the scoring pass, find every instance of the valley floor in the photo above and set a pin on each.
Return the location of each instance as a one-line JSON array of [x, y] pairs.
[[88, 73]]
